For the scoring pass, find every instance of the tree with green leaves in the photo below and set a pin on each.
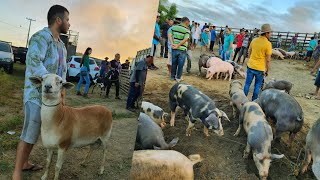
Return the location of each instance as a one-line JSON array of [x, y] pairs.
[[167, 10]]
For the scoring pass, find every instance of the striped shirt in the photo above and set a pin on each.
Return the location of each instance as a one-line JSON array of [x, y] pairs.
[[180, 32]]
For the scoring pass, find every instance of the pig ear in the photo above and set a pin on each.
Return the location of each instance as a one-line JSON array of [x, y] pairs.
[[173, 142], [68, 85], [156, 148], [276, 156], [224, 116], [36, 80]]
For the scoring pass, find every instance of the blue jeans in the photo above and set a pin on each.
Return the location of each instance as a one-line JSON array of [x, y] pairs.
[[86, 78], [178, 59], [292, 47], [259, 76], [103, 73], [225, 56], [220, 49], [134, 93]]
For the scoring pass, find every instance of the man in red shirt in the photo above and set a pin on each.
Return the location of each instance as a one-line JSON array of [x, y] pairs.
[[239, 39]]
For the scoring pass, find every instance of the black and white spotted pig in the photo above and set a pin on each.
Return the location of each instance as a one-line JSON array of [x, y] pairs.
[[285, 112], [279, 84], [155, 112], [196, 106], [237, 97], [259, 137], [203, 61], [313, 150], [150, 135]]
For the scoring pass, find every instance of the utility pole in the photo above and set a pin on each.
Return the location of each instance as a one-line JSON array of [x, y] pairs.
[[29, 29]]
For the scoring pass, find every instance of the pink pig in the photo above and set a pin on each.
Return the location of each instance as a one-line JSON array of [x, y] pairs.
[[220, 67], [213, 61]]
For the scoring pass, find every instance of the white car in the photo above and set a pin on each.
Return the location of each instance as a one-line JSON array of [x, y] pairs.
[[73, 65], [6, 57]]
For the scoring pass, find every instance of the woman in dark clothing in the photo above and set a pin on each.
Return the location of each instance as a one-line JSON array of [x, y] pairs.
[[84, 72]]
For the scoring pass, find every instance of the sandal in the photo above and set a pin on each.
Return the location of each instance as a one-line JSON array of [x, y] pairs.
[[33, 167]]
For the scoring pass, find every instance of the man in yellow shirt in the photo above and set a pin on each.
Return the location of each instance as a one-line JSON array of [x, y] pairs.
[[258, 66]]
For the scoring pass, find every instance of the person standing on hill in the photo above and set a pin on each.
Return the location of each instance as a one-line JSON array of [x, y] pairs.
[[258, 66]]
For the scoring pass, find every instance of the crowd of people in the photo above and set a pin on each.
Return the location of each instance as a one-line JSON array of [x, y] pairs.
[[179, 37]]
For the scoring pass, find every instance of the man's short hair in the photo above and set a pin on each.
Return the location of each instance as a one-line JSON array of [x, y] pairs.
[[184, 19], [54, 12], [312, 38], [148, 56], [213, 26]]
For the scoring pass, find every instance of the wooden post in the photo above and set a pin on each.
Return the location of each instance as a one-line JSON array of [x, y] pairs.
[[304, 41]]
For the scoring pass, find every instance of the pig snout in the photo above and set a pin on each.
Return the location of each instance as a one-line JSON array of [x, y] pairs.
[[264, 175]]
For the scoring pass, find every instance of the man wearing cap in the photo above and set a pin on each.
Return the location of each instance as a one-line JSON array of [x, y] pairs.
[[125, 65], [178, 37], [204, 40], [258, 66], [155, 41], [137, 81], [103, 68]]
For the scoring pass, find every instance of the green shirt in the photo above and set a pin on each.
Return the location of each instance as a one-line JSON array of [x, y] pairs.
[[86, 61], [180, 32]]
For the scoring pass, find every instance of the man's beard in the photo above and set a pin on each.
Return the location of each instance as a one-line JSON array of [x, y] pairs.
[[63, 30]]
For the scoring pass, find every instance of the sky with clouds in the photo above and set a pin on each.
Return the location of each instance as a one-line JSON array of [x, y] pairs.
[[283, 15], [107, 26]]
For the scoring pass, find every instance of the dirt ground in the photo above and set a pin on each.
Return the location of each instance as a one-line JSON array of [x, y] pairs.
[[223, 155], [119, 149]]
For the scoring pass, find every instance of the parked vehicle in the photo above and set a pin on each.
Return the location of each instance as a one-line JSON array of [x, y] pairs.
[[20, 54], [73, 65], [6, 57]]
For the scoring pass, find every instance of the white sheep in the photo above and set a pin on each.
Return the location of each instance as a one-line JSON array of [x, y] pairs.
[[64, 127]]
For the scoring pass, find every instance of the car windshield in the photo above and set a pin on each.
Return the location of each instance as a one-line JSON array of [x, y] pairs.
[[78, 59], [5, 47]]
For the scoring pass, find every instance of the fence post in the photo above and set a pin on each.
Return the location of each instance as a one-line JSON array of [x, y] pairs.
[[304, 41], [286, 39]]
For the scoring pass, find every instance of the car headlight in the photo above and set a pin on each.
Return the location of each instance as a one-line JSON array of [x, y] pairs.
[[7, 59]]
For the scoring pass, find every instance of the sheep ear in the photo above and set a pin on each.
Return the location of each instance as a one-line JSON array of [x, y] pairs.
[[36, 80], [68, 85]]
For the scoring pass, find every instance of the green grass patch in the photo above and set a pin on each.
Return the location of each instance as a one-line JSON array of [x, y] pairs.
[[6, 166], [12, 123], [123, 115]]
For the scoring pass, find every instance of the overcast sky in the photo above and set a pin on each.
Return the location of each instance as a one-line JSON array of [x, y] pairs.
[[107, 26], [283, 15]]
